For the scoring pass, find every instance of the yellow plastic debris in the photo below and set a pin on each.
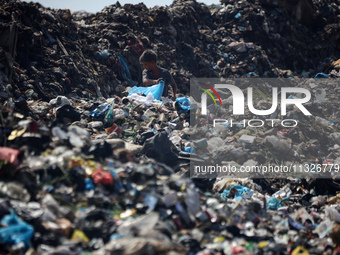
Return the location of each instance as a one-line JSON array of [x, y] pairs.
[[300, 251], [263, 244], [219, 239], [79, 236]]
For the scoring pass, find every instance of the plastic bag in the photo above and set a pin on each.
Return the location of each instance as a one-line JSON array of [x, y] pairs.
[[105, 54], [192, 200], [159, 148], [89, 184], [189, 150], [332, 214], [114, 114], [182, 104], [273, 203], [100, 176], [144, 100], [125, 71], [156, 90], [16, 231], [320, 75], [323, 228], [96, 224], [238, 192], [302, 215], [145, 222]]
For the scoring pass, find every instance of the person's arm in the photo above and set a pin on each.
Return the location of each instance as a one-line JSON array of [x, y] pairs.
[[172, 83], [148, 82], [174, 89]]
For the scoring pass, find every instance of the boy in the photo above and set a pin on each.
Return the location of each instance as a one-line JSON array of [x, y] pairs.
[[153, 74]]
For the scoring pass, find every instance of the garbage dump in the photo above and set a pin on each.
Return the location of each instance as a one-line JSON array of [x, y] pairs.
[[94, 162]]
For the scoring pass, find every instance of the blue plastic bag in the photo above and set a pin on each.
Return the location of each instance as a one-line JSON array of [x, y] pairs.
[[156, 90], [320, 75], [274, 203], [89, 184], [252, 74], [189, 149], [16, 231], [105, 54], [295, 224], [125, 71], [238, 15], [238, 195], [184, 104]]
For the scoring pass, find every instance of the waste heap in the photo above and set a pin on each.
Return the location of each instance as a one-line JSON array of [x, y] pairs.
[[50, 52], [87, 168]]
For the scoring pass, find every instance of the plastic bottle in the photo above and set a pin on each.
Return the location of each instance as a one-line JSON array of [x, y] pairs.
[[100, 110]]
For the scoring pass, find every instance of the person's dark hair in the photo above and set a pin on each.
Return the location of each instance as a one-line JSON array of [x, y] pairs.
[[148, 56]]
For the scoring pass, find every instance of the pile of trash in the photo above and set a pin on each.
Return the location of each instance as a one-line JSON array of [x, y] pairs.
[[93, 163], [112, 176], [47, 52]]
